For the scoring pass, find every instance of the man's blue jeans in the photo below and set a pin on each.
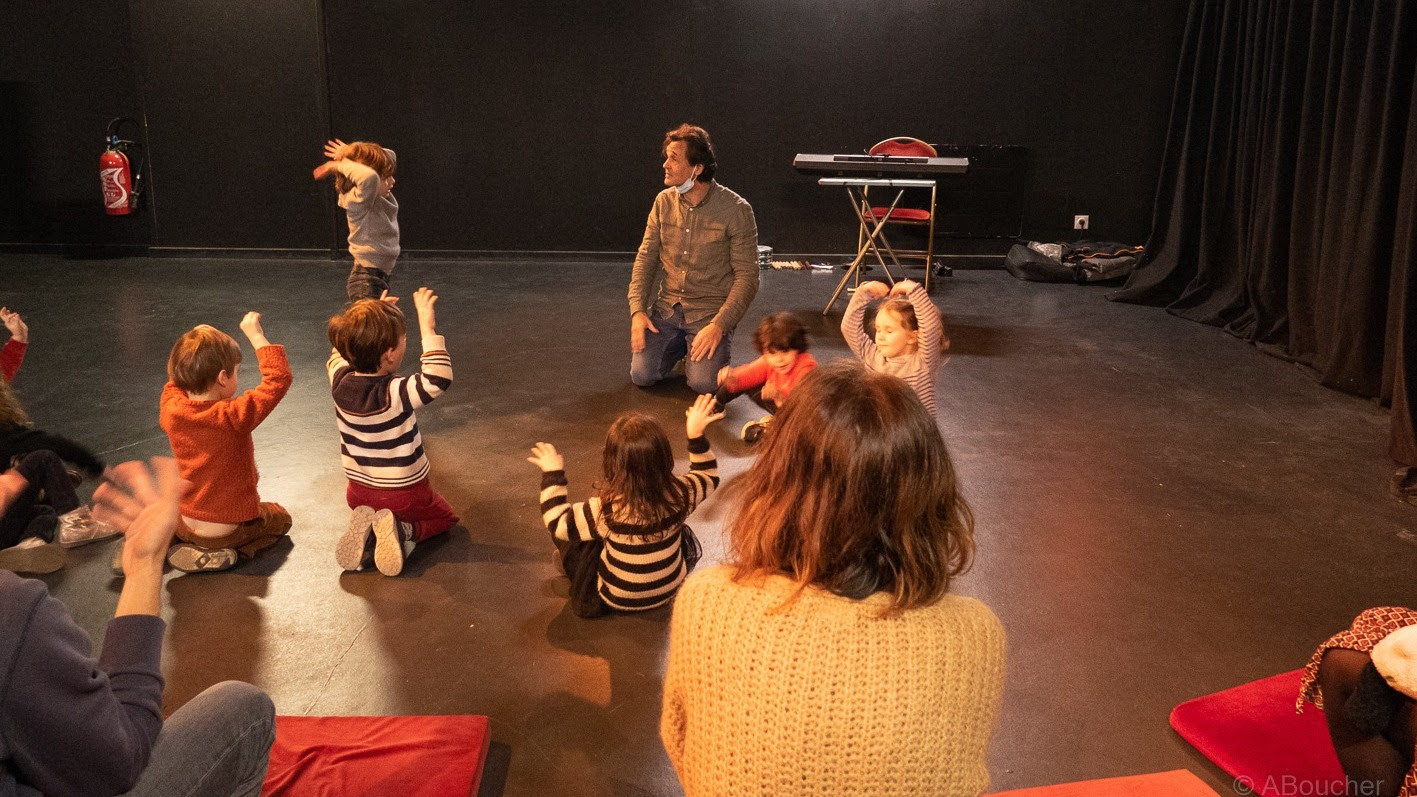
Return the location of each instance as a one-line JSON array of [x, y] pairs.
[[218, 744], [670, 345]]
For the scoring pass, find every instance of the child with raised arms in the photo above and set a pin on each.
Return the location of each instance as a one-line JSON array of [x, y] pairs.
[[209, 426], [781, 341], [364, 178], [910, 340], [394, 504], [628, 548]]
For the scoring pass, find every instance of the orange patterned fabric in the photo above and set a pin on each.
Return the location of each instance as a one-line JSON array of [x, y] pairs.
[[1369, 628]]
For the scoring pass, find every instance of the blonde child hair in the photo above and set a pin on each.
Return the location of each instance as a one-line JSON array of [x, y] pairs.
[[905, 312]]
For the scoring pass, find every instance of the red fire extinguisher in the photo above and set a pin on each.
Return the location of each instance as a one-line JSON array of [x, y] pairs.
[[122, 183]]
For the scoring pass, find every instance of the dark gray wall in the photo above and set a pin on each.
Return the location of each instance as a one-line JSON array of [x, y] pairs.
[[66, 68], [535, 125], [234, 95]]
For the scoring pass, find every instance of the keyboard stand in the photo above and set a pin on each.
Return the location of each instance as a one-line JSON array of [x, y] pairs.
[[871, 227]]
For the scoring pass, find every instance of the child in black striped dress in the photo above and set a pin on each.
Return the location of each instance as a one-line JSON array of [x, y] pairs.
[[628, 548]]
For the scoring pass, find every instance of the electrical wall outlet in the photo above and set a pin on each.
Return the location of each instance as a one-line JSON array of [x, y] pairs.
[[1079, 222]]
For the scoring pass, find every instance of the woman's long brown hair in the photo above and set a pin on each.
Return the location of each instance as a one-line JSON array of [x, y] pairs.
[[12, 413], [855, 493]]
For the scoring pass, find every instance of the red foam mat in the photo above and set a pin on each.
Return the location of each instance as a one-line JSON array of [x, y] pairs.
[[1176, 783], [354, 756], [1252, 732]]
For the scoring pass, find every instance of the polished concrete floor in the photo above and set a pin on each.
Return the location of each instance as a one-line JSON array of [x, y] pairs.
[[1163, 511]]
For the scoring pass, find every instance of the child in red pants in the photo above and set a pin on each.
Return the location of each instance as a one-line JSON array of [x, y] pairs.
[[394, 504]]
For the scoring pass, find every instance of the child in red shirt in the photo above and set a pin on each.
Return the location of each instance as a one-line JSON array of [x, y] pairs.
[[209, 426], [781, 340]]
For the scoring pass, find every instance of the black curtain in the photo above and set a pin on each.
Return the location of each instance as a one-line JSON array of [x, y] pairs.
[[1286, 209]]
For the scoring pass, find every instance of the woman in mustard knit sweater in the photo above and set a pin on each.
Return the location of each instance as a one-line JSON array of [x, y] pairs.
[[829, 658]]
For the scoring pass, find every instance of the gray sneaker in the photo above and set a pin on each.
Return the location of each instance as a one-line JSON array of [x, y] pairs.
[[391, 542], [352, 544], [32, 555], [190, 559], [753, 431], [80, 528]]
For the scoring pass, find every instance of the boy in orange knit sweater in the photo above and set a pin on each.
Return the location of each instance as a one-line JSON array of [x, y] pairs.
[[209, 426]]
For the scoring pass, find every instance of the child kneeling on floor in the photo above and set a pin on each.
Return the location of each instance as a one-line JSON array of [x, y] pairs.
[[781, 340], [394, 504], [628, 549], [209, 427], [910, 340]]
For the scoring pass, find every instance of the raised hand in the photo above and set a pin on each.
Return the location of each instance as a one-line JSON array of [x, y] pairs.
[[19, 330], [873, 289], [903, 287], [545, 456], [423, 301], [144, 505], [251, 325], [700, 414], [334, 149]]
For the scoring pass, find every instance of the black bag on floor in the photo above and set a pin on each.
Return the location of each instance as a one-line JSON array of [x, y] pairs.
[[1026, 264]]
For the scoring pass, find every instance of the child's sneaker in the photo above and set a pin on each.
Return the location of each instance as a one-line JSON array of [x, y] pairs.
[[32, 555], [80, 528], [352, 545], [191, 559], [392, 543], [753, 431]]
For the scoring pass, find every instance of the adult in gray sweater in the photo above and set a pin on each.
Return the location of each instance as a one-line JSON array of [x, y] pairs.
[[696, 271], [73, 726]]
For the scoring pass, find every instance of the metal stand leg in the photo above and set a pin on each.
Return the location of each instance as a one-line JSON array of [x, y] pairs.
[[867, 240]]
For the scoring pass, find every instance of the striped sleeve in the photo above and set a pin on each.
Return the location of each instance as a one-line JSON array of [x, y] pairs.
[[567, 522], [932, 328], [435, 375], [702, 478], [853, 327], [334, 364]]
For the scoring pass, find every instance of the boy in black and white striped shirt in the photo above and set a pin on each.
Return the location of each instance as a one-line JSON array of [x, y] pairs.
[[394, 504]]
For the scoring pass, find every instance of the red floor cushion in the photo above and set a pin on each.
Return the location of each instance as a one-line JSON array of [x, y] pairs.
[[1252, 732], [1176, 783], [404, 756]]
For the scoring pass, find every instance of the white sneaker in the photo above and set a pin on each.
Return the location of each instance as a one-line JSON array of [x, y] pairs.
[[79, 527], [350, 548]]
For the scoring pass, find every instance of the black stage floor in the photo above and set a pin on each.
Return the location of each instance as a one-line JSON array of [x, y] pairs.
[[1163, 511]]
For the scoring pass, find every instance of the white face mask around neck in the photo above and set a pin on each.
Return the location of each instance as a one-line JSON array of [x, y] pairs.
[[688, 185]]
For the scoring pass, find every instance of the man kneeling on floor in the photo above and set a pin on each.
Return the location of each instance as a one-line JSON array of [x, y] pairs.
[[70, 725]]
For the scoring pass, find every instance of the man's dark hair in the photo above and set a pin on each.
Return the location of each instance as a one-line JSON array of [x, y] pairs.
[[697, 148]]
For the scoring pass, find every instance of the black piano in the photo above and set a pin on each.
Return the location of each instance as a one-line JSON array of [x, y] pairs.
[[901, 166]]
